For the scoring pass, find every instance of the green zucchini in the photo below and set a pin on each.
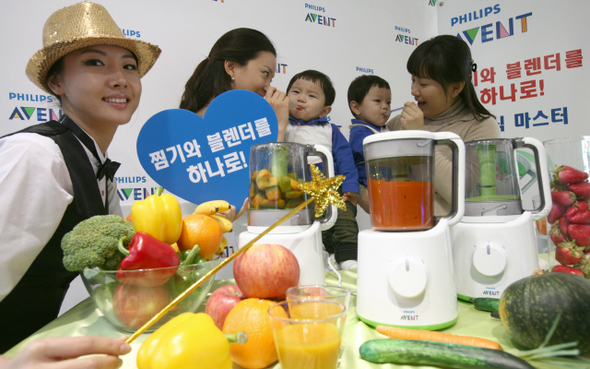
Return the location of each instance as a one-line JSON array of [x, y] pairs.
[[441, 354], [486, 304]]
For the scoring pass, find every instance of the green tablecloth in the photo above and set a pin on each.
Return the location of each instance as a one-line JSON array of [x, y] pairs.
[[85, 319]]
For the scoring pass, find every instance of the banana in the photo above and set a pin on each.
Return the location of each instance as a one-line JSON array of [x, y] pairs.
[[224, 223], [222, 246], [212, 207]]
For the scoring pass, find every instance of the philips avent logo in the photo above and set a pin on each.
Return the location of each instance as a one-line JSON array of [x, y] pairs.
[[409, 315], [491, 291], [133, 193], [405, 39], [491, 31], [320, 19], [31, 113], [365, 70], [131, 33]]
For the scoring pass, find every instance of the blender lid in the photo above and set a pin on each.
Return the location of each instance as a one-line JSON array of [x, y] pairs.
[[489, 141], [399, 135]]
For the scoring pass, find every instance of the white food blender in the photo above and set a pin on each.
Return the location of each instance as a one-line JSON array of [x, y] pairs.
[[276, 169], [405, 265], [495, 243]]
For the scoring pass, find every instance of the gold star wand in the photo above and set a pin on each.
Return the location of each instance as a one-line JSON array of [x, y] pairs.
[[323, 190]]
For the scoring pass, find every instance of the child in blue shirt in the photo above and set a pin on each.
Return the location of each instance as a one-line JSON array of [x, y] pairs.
[[369, 100], [312, 95]]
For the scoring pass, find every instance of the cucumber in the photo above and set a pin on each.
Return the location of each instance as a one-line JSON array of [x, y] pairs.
[[486, 304], [441, 354]]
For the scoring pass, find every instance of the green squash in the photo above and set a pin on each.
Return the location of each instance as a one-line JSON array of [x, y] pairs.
[[529, 306]]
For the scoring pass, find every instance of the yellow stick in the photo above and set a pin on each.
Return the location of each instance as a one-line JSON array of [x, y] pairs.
[[212, 272]]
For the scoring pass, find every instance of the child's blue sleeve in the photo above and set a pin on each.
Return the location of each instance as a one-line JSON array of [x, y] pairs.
[[357, 135], [344, 161]]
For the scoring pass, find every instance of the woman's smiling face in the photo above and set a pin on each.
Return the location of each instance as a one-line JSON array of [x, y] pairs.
[[98, 85], [256, 75], [431, 97]]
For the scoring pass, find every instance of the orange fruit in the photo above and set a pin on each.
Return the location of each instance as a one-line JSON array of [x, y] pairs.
[[251, 316], [202, 230]]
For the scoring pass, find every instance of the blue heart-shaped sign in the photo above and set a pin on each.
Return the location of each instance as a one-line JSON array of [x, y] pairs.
[[202, 159]]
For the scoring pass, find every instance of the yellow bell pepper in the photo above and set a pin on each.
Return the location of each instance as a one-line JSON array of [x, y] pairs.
[[159, 216], [188, 341]]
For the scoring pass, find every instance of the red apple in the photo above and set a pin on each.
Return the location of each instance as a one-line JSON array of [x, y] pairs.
[[221, 301], [134, 306], [266, 271]]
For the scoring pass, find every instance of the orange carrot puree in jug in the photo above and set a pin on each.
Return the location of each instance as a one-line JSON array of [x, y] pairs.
[[401, 205]]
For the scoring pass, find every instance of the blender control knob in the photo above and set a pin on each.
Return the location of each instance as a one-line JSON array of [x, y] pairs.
[[489, 260], [408, 279]]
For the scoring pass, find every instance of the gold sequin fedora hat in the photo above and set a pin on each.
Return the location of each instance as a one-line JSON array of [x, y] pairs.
[[82, 25]]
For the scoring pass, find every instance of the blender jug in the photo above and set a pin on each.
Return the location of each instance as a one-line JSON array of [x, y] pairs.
[[400, 179], [276, 169], [492, 178]]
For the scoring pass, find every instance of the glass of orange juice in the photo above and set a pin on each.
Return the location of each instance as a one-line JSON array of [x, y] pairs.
[[308, 332], [321, 291]]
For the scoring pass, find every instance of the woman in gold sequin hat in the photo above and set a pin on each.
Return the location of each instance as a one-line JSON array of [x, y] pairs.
[[57, 174]]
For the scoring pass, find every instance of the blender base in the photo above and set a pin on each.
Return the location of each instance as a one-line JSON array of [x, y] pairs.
[[489, 256], [306, 246], [405, 279]]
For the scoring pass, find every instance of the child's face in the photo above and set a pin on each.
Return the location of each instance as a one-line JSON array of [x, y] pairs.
[[431, 97], [99, 86], [309, 99], [372, 109]]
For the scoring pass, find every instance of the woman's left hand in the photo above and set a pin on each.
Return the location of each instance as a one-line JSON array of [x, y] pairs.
[[412, 116], [231, 213]]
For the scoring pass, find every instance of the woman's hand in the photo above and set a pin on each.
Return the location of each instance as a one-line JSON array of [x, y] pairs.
[[412, 116], [280, 103], [231, 213], [63, 353]]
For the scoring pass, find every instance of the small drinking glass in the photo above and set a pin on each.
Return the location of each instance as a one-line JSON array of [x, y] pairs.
[[320, 291], [308, 333]]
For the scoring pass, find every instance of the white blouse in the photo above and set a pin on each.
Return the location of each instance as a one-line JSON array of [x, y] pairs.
[[35, 190]]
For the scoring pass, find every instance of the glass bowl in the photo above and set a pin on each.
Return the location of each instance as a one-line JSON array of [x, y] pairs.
[[144, 293]]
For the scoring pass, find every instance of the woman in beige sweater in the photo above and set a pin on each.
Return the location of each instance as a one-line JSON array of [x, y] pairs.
[[445, 100]]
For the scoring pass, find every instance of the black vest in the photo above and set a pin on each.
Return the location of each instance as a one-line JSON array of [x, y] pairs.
[[37, 298]]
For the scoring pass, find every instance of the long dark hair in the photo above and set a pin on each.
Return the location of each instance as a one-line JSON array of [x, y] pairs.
[[447, 60], [210, 79]]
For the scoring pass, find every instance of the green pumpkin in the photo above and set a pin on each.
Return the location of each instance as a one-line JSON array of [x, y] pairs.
[[529, 306]]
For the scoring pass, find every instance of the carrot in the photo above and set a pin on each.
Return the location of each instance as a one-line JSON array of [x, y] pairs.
[[416, 334]]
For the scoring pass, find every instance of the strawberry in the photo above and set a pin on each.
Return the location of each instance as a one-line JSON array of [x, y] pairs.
[[556, 212], [581, 189], [557, 237], [568, 253], [578, 213], [563, 223], [579, 233], [566, 269], [568, 175], [565, 198]]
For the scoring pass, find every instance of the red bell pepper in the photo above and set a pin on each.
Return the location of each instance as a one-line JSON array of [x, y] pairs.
[[146, 252]]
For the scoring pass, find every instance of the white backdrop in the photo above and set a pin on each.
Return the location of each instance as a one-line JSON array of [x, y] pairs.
[[530, 55], [342, 38]]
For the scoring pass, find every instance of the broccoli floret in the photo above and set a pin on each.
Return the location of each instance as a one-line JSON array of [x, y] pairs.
[[93, 243]]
